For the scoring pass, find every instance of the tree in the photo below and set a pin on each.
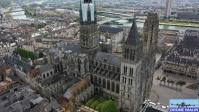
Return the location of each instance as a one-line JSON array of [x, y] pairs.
[[164, 80], [95, 104], [26, 54], [181, 83], [176, 84], [172, 82], [109, 106], [89, 103], [158, 78], [168, 81], [41, 55], [98, 108]]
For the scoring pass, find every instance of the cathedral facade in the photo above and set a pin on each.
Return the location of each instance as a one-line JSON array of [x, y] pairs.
[[127, 77]]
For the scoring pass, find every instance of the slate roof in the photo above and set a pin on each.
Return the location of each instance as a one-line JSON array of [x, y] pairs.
[[189, 47], [77, 88], [74, 47], [178, 60], [109, 29], [133, 37], [45, 68], [108, 58], [13, 60]]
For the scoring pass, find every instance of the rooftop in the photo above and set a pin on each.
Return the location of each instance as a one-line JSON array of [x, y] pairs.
[[187, 51], [19, 98], [133, 37], [108, 58], [45, 68], [109, 29]]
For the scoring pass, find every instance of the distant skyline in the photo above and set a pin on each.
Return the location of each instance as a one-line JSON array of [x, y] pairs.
[[154, 3]]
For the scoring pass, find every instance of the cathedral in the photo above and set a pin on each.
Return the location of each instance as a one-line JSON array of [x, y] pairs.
[[126, 77]]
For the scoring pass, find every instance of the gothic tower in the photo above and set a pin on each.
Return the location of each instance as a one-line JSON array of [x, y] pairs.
[[168, 8], [89, 37], [1, 18], [151, 28], [130, 79]]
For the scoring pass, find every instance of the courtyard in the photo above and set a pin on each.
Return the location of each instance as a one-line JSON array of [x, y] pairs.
[[102, 104], [162, 91]]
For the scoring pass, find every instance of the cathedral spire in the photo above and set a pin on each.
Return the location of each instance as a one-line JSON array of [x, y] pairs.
[[87, 12], [133, 37], [132, 50]]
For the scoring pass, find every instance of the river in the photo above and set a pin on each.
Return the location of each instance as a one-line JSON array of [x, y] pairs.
[[20, 14], [126, 23]]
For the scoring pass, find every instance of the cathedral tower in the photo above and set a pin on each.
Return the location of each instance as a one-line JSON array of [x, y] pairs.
[[89, 37], [1, 18], [151, 28], [130, 79]]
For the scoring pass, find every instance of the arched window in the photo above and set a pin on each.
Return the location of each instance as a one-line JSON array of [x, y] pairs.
[[113, 86], [95, 79], [108, 84], [47, 74], [104, 83], [44, 76], [99, 80], [92, 79], [117, 88]]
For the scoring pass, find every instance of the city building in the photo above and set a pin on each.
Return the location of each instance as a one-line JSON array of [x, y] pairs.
[[6, 49], [79, 92], [184, 59], [5, 81], [1, 18], [22, 98], [49, 83], [193, 16], [168, 8]]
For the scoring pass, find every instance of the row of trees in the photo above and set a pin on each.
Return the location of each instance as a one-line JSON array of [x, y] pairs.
[[26, 54], [170, 82], [38, 26]]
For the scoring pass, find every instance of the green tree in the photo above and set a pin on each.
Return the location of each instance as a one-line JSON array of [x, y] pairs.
[[88, 104], [26, 54], [109, 106], [158, 78], [181, 83], [176, 84], [164, 80], [98, 108], [172, 82], [168, 82], [95, 104]]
